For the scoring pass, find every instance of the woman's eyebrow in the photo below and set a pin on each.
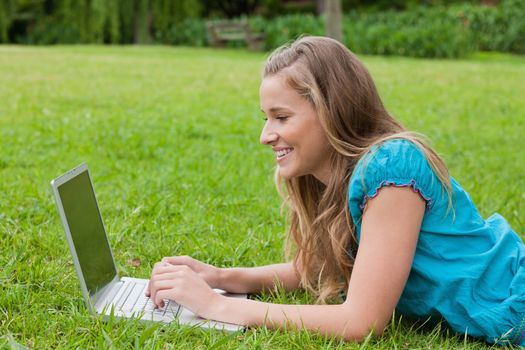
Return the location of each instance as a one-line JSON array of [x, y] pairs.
[[275, 109]]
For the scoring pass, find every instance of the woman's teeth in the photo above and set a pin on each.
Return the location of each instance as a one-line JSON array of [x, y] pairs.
[[283, 152]]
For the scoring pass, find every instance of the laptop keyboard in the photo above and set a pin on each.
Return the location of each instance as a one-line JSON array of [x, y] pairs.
[[131, 299]]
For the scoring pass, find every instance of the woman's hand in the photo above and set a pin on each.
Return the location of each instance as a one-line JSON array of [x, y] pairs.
[[209, 273], [184, 286]]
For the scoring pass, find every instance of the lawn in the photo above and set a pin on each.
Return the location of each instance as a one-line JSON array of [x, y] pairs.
[[171, 139]]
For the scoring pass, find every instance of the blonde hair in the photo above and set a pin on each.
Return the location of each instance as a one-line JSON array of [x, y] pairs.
[[321, 233]]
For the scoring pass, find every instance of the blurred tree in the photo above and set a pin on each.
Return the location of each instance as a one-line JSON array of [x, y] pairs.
[[98, 14], [333, 17], [142, 23], [112, 24], [88, 21], [229, 9], [6, 15], [126, 20], [167, 13], [381, 5], [91, 21]]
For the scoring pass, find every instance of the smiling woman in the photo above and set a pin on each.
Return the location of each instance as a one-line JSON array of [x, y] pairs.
[[376, 223], [293, 131]]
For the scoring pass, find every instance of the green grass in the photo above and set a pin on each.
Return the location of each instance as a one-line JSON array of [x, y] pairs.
[[171, 138]]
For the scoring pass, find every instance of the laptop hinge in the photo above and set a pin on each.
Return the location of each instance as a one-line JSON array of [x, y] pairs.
[[106, 294]]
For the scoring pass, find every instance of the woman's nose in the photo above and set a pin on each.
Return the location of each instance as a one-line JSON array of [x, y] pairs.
[[268, 136]]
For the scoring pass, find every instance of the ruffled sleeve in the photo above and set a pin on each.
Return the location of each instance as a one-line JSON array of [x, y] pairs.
[[393, 163]]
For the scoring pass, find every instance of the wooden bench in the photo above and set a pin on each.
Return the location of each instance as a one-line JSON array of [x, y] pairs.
[[220, 33]]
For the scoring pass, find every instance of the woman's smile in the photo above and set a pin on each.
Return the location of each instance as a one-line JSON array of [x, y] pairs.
[[282, 153]]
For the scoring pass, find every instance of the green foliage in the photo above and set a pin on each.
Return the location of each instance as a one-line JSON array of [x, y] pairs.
[[514, 39], [77, 21], [141, 28], [438, 32], [230, 9], [422, 32], [386, 5], [126, 21], [418, 31], [285, 28], [167, 14], [95, 21], [6, 13], [48, 31], [111, 27], [499, 28], [189, 32]]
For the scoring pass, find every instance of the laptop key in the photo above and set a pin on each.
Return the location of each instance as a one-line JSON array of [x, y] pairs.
[[149, 307], [154, 316], [122, 295], [141, 302], [172, 309], [132, 298]]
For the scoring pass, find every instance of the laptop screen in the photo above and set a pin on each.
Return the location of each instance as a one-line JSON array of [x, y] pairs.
[[87, 232]]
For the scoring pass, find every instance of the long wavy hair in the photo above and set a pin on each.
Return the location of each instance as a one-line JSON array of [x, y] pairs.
[[321, 234]]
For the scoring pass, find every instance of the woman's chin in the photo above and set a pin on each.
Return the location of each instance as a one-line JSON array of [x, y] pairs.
[[286, 173]]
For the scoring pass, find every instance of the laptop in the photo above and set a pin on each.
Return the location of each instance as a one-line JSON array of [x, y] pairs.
[[104, 291]]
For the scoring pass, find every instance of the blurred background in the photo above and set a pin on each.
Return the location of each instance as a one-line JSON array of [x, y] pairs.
[[418, 28]]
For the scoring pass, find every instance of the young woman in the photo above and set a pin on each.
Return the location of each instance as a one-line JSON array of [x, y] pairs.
[[374, 217]]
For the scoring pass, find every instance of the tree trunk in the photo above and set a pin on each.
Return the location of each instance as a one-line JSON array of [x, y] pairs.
[[333, 19], [142, 23]]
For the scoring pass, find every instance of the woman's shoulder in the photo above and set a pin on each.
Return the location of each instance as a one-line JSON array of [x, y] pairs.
[[391, 155], [395, 162], [391, 147]]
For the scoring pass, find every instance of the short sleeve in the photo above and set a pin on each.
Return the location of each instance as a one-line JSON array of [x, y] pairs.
[[393, 163]]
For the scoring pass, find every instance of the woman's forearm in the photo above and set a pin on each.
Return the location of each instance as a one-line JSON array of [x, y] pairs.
[[257, 279], [340, 320]]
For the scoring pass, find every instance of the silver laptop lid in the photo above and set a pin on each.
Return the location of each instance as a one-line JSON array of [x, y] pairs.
[[88, 242]]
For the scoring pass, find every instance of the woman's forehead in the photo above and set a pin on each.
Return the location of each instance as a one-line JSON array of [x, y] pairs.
[[276, 88], [276, 95], [274, 80]]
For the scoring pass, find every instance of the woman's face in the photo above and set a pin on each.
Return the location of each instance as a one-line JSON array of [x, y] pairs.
[[293, 131]]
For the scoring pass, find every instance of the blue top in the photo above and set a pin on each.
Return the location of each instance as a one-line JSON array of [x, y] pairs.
[[466, 270]]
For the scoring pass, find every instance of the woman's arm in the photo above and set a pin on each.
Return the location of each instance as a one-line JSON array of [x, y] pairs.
[[389, 233], [241, 279], [257, 279]]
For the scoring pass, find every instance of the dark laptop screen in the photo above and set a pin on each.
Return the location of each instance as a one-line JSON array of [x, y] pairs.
[[87, 231]]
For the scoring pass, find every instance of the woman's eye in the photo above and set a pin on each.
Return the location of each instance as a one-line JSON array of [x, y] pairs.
[[278, 117]]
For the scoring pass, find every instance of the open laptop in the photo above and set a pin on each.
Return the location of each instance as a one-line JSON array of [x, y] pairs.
[[105, 293]]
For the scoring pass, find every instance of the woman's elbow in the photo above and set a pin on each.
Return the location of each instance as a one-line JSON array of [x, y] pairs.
[[359, 333]]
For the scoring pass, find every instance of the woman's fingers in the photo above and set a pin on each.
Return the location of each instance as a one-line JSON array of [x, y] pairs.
[[168, 268], [166, 272], [159, 286], [162, 295], [172, 264], [157, 268], [179, 260], [183, 285], [209, 272]]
